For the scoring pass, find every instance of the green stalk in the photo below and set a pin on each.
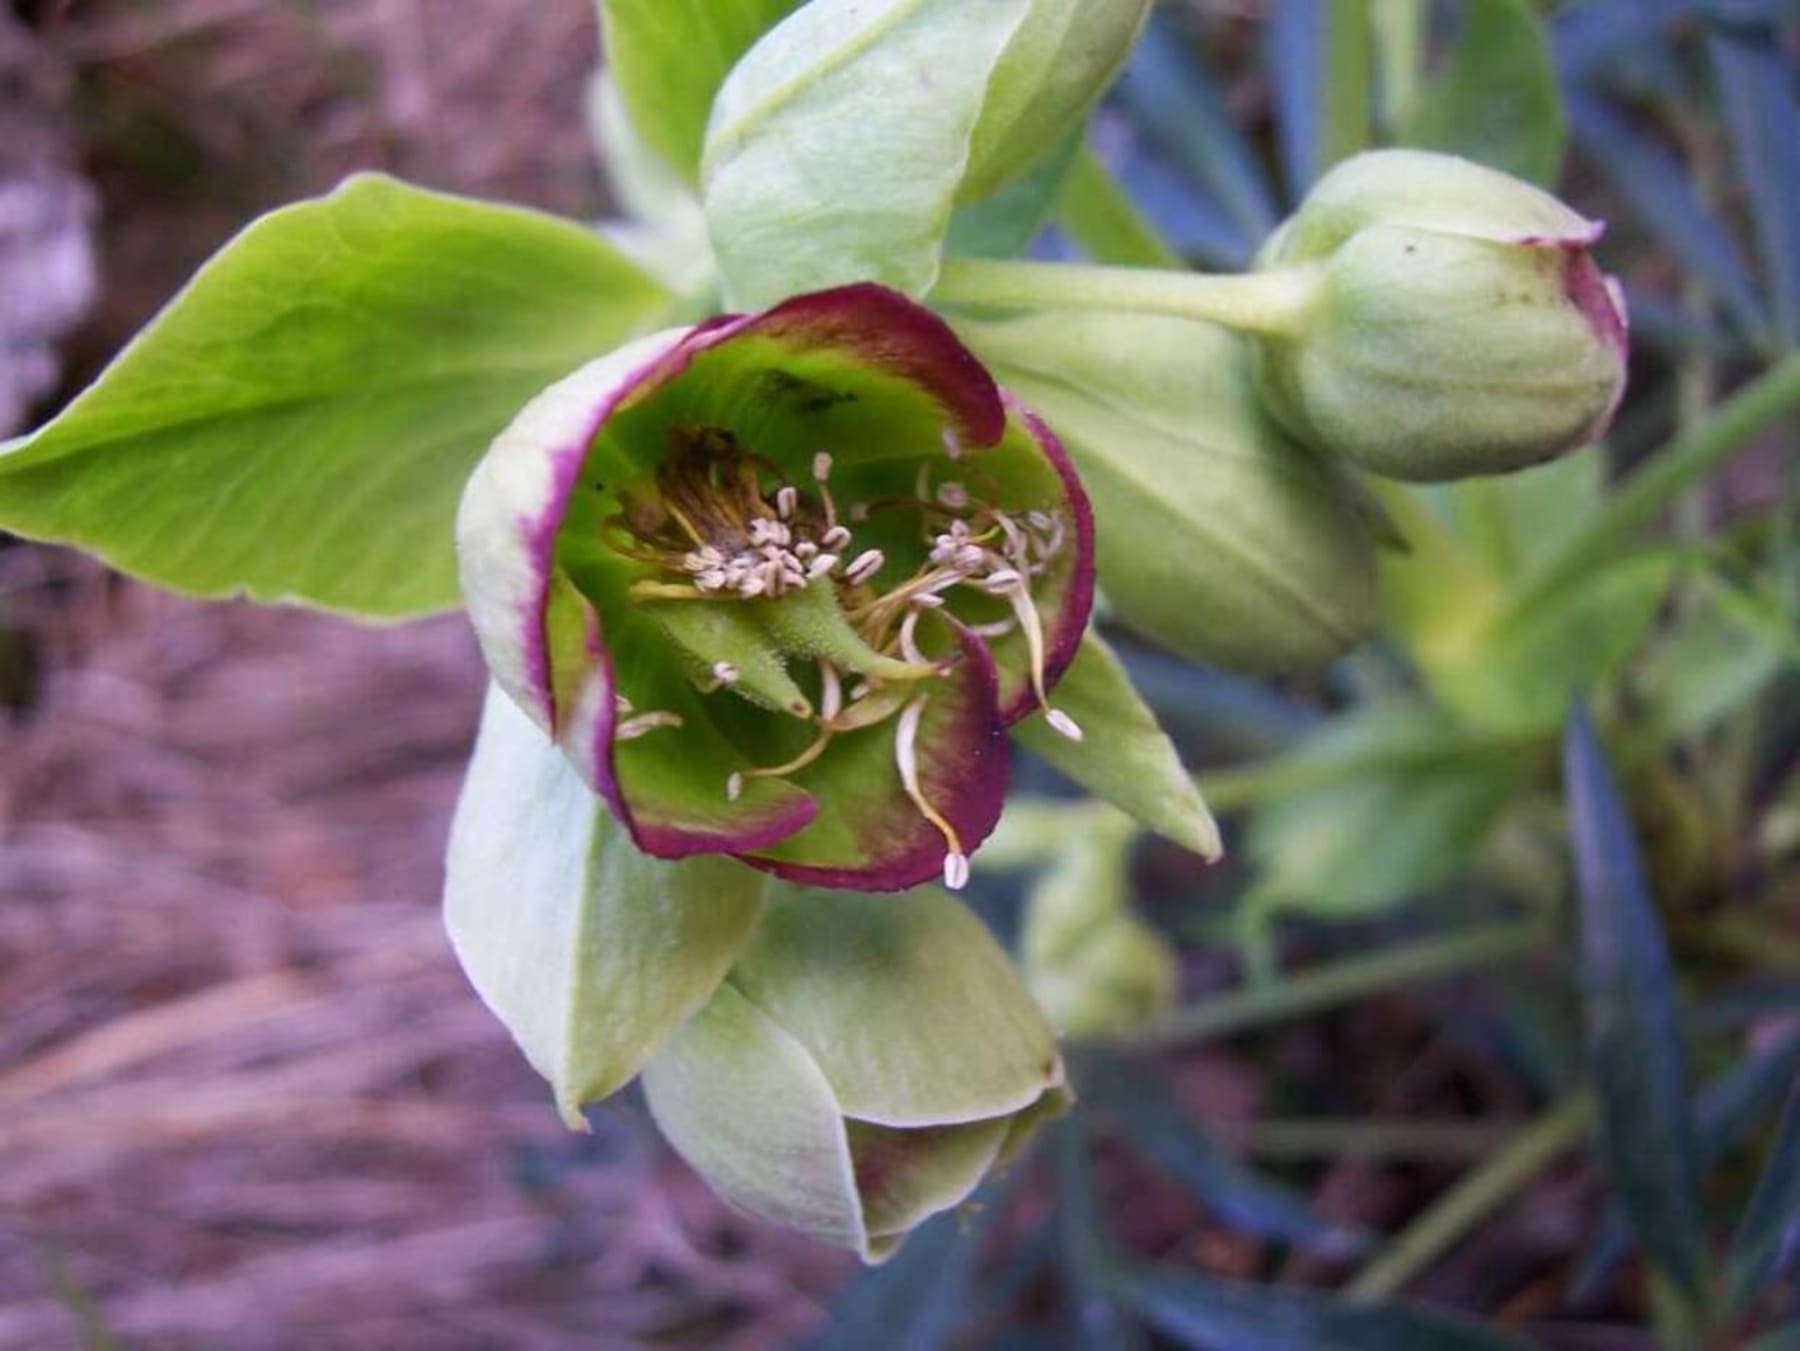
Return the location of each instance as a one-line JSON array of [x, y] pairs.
[[1636, 504], [1473, 1199], [1103, 221], [1341, 982], [1257, 302]]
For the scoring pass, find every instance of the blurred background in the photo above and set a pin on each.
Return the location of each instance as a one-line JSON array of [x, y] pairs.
[[247, 1100]]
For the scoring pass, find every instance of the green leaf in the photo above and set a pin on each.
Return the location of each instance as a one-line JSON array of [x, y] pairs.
[[838, 145], [1201, 1311], [669, 58], [1497, 99], [664, 230], [1123, 757], [298, 423], [591, 953], [1522, 673], [1399, 804], [1633, 1026], [1768, 1239], [1217, 536]]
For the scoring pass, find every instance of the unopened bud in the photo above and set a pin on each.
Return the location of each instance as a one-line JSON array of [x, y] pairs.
[[1458, 323]]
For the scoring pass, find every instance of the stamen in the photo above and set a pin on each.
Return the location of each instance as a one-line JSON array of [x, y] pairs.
[[644, 724], [822, 565], [821, 467], [1026, 613], [865, 566], [725, 673], [835, 538], [953, 444], [1001, 581], [906, 758], [734, 787], [956, 871], [909, 647], [831, 696], [953, 495], [787, 500]]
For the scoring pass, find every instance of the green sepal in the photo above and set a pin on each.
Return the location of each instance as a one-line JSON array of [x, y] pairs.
[[833, 157], [1218, 536], [590, 952], [1124, 756], [668, 59]]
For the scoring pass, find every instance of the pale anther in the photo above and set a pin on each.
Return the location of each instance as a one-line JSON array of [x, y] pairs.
[[786, 501], [956, 871], [1063, 724], [645, 723], [725, 673], [734, 787], [865, 566]]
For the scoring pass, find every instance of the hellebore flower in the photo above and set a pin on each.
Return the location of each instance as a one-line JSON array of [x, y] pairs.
[[777, 585], [1457, 323], [865, 1064]]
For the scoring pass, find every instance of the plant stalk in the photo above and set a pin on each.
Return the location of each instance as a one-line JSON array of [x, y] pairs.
[[1256, 302], [1473, 1199], [1343, 982]]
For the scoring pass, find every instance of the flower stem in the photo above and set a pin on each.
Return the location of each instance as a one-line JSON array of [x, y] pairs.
[[1341, 983], [1662, 478], [1473, 1199], [1257, 302]]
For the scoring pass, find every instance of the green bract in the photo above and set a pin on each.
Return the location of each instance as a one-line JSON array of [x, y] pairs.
[[868, 1060], [1060, 61], [1456, 323], [1218, 536], [590, 952], [838, 145]]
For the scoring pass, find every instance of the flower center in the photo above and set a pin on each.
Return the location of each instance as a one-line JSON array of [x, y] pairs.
[[723, 526]]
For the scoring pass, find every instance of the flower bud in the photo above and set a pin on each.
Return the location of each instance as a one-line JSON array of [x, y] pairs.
[[1219, 536], [1093, 966], [1456, 324], [1052, 73], [866, 1063]]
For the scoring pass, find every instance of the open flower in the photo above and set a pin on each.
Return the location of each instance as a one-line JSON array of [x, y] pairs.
[[777, 584]]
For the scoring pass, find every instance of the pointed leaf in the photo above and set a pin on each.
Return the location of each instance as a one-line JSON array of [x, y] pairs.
[[669, 57], [831, 160], [1123, 757], [591, 953], [1757, 88], [1634, 1034], [1768, 1239], [1322, 61], [298, 423], [1497, 100], [1216, 1315]]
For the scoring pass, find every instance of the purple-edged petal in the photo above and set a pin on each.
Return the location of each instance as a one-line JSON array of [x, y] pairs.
[[873, 837], [1601, 301], [511, 512], [1064, 594]]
